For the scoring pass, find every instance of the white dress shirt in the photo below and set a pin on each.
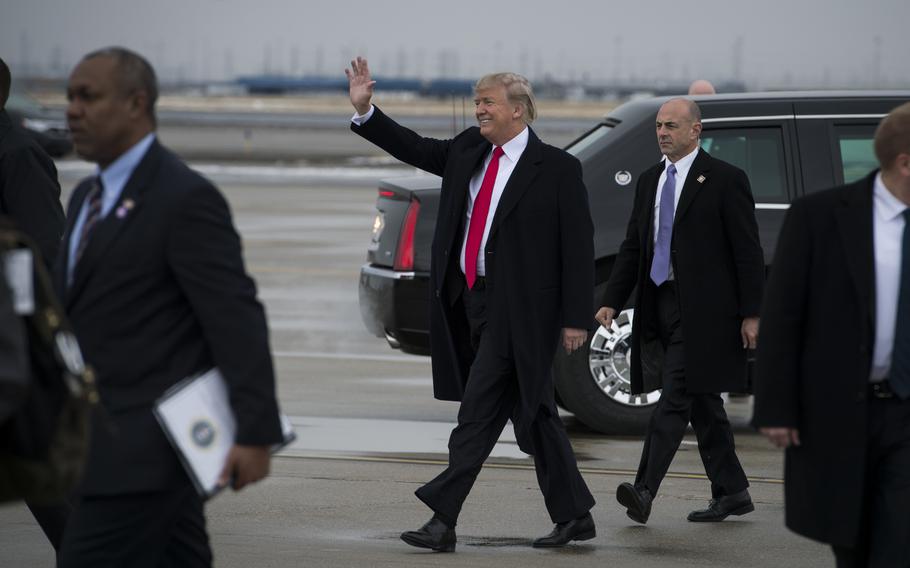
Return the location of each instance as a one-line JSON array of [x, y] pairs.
[[359, 119], [512, 151], [683, 165], [887, 234]]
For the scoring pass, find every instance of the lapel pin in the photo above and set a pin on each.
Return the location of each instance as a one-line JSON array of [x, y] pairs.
[[125, 208], [701, 179]]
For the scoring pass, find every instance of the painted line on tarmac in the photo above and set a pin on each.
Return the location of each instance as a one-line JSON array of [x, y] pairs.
[[351, 356], [512, 466]]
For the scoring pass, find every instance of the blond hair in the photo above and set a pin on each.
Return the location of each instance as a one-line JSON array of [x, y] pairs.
[[518, 89]]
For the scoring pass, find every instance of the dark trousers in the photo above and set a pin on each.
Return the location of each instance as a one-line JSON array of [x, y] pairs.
[[146, 530], [677, 407], [492, 397], [885, 537]]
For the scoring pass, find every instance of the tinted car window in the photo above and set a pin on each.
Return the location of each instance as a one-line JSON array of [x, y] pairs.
[[589, 139], [757, 151], [857, 152]]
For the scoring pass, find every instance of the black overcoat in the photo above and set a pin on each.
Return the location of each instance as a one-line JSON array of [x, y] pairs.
[[539, 255], [815, 356], [29, 192], [719, 268]]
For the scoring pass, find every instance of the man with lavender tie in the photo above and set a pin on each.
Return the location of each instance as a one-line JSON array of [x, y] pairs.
[[692, 250], [511, 278]]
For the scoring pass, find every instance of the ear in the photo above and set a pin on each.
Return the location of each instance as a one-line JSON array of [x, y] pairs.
[[138, 103], [697, 129], [902, 164], [518, 111]]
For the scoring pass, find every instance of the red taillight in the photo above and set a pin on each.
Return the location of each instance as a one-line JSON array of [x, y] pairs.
[[404, 257], [386, 193]]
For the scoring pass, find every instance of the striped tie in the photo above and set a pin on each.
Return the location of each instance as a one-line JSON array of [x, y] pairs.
[[91, 218]]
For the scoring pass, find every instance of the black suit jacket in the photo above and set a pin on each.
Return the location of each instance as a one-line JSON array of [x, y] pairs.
[[160, 294], [815, 356], [539, 255], [29, 192], [719, 269]]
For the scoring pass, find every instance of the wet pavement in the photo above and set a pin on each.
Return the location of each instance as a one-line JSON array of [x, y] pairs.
[[370, 433]]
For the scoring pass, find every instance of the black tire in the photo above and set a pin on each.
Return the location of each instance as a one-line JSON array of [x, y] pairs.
[[588, 396]]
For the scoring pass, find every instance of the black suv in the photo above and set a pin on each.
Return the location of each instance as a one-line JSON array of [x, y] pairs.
[[789, 144]]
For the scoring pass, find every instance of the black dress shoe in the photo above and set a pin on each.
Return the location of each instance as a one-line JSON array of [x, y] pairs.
[[581, 528], [722, 507], [435, 535], [637, 501]]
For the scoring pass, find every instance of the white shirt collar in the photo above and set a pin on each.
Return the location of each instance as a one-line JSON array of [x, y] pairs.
[[887, 205], [684, 163], [120, 169], [516, 146]]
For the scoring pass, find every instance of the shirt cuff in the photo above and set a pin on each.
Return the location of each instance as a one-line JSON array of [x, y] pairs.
[[359, 119]]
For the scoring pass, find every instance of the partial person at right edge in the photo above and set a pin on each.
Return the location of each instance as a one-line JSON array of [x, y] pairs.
[[833, 381]]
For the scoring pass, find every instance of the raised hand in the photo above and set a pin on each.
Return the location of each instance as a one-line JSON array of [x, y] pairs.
[[360, 84]]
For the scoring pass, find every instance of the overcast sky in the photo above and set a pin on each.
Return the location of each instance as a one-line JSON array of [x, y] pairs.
[[767, 43]]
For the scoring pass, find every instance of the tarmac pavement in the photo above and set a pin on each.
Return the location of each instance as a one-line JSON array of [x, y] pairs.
[[369, 433]]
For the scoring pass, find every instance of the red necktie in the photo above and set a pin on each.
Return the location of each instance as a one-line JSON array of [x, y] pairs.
[[479, 218]]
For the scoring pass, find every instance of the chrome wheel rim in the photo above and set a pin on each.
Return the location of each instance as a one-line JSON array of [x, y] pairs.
[[609, 361]]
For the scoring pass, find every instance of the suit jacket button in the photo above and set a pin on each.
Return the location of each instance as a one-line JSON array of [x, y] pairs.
[[437, 293]]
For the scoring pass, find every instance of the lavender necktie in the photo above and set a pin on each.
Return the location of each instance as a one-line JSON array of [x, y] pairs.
[[660, 265]]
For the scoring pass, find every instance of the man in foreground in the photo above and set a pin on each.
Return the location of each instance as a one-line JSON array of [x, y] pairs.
[[153, 281], [511, 279], [834, 360]]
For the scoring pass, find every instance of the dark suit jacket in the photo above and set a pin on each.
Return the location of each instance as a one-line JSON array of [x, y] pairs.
[[719, 269], [815, 356], [539, 255], [29, 192], [161, 294]]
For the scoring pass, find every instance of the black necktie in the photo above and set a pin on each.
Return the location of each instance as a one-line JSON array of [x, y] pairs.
[[91, 218], [900, 354]]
